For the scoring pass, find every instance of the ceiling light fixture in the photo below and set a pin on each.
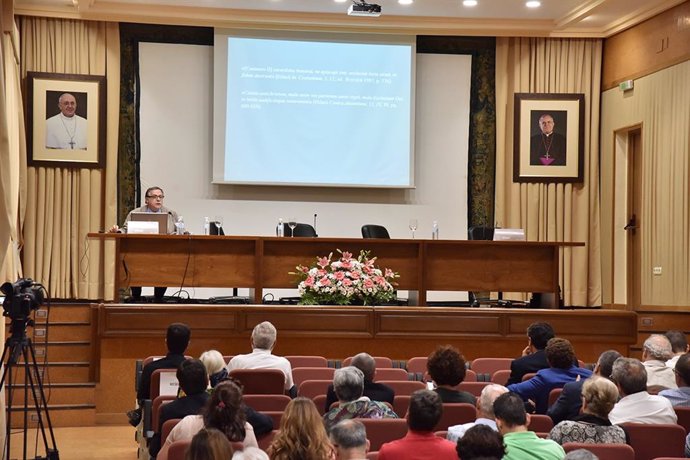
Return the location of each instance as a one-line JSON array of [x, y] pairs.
[[469, 2], [533, 4], [405, 2]]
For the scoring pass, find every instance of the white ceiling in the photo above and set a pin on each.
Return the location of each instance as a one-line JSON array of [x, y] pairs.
[[556, 18]]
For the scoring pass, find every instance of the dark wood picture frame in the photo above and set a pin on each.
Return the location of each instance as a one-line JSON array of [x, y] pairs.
[[556, 152], [60, 136]]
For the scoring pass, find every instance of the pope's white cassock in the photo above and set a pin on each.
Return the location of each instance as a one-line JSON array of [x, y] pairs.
[[66, 132]]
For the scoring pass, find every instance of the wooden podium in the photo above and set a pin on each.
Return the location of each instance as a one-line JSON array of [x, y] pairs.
[[259, 263]]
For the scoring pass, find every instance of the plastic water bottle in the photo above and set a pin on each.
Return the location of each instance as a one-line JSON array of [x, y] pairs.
[[207, 226], [280, 228], [434, 230], [179, 226]]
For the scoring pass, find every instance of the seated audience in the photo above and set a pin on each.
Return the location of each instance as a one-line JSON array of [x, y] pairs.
[[222, 411], [209, 444], [420, 441], [446, 367], [569, 403], [176, 340], [679, 346], [372, 390], [485, 412], [656, 350], [215, 366], [302, 435], [481, 442], [533, 356], [521, 444], [636, 405], [349, 438], [680, 397], [599, 395], [561, 356], [263, 340], [348, 383], [193, 382]]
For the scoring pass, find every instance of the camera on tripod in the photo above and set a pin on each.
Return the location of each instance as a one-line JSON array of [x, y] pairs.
[[21, 298]]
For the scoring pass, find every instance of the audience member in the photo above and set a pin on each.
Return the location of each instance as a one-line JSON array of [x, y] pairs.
[[656, 350], [349, 438], [599, 395], [521, 444], [302, 435], [679, 346], [250, 453], [561, 356], [215, 366], [481, 442], [680, 397], [209, 444], [580, 454], [485, 412], [263, 340], [636, 405], [446, 367], [533, 356], [222, 411], [568, 404], [420, 442], [372, 390], [348, 383], [193, 382], [176, 340]]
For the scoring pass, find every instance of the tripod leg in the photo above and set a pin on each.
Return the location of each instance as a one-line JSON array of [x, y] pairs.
[[7, 374], [40, 401]]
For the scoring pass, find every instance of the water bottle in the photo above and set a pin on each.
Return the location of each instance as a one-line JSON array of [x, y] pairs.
[[434, 230], [207, 226], [280, 228], [179, 226]]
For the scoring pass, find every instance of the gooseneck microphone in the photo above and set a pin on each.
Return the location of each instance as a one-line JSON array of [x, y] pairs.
[[315, 224]]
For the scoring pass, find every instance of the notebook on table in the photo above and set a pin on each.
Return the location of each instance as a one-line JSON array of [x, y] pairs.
[[509, 234], [148, 223]]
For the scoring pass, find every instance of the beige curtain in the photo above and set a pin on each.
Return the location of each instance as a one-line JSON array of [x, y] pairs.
[[63, 205], [553, 212]]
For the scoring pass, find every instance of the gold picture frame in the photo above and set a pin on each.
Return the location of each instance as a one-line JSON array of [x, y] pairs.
[[65, 120], [548, 138]]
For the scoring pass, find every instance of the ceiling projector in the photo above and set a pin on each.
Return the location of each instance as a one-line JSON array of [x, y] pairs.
[[364, 9]]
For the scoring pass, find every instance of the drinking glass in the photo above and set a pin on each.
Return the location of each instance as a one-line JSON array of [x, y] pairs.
[[292, 223], [413, 226]]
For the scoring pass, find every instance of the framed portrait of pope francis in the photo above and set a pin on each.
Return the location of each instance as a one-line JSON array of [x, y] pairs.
[[65, 120]]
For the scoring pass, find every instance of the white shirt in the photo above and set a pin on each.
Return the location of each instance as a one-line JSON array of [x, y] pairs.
[[643, 408], [263, 359], [672, 362], [659, 374], [66, 132], [456, 432]]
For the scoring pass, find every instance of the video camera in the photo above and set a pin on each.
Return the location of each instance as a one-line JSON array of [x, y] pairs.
[[21, 298]]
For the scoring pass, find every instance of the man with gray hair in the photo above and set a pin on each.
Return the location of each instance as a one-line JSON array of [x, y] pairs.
[[655, 352], [636, 405], [348, 383], [349, 438], [485, 412], [373, 390], [263, 340]]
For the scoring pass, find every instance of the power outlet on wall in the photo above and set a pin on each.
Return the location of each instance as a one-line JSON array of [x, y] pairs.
[[656, 271]]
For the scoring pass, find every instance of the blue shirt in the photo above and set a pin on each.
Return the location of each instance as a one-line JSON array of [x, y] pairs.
[[538, 387]]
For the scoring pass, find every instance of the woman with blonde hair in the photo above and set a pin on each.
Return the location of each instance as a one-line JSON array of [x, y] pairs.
[[302, 435], [215, 366], [209, 444]]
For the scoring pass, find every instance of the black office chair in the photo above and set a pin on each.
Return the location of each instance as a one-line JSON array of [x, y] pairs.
[[374, 231], [480, 233], [304, 230]]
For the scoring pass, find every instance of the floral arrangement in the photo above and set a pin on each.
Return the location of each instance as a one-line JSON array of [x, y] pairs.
[[346, 281]]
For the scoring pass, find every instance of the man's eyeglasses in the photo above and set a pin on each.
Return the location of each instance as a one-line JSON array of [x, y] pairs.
[[156, 197]]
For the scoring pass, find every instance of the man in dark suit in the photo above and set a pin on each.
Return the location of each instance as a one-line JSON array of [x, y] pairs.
[[568, 404], [547, 147], [372, 390], [533, 356]]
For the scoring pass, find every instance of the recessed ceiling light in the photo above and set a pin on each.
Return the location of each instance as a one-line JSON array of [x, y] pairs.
[[405, 2], [469, 2], [533, 4]]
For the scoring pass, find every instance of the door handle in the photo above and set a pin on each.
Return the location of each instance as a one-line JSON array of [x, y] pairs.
[[632, 223]]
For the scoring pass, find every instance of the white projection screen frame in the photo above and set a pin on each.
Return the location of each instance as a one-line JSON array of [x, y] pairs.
[[313, 109]]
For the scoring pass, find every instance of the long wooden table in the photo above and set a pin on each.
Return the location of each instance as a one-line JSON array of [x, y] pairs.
[[260, 263]]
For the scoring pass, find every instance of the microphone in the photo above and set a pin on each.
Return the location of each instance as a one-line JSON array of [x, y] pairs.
[[315, 223]]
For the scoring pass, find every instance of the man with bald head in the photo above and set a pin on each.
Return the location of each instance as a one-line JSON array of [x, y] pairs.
[[372, 390], [656, 350], [66, 130], [485, 412]]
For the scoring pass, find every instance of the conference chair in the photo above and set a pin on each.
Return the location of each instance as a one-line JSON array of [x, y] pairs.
[[374, 231], [540, 423], [391, 374], [406, 387], [485, 367], [307, 361], [554, 395], [603, 451], [381, 361], [683, 414], [156, 412], [302, 374], [266, 440], [301, 230], [401, 403], [383, 430], [655, 440], [178, 449], [320, 402], [313, 388], [261, 403], [167, 428], [501, 377], [260, 381], [474, 388], [417, 367], [456, 414], [156, 389]]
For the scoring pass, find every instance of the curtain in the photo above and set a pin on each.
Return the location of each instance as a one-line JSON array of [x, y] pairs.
[[64, 204], [553, 212]]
